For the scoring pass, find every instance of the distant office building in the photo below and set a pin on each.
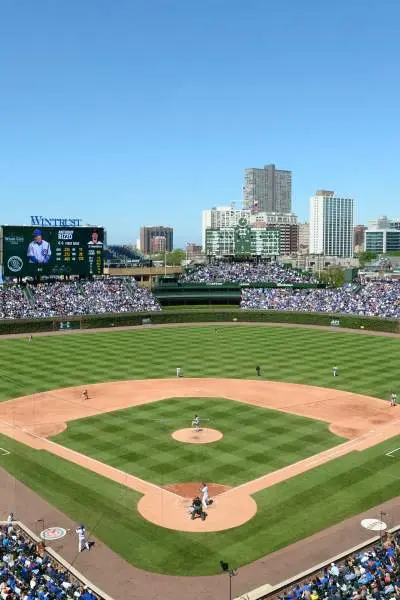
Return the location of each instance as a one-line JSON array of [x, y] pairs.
[[267, 190], [383, 236], [147, 235], [287, 225], [193, 250], [242, 240], [304, 238], [331, 224], [221, 216], [158, 244], [358, 238]]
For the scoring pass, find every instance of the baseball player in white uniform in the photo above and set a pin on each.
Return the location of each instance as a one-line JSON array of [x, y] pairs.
[[334, 371], [39, 250], [82, 539], [196, 423], [204, 498], [393, 399]]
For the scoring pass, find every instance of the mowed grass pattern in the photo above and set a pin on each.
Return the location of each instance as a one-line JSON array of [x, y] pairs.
[[256, 440], [367, 364], [287, 512]]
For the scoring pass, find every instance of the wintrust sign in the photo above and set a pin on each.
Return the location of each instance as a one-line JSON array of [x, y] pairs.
[[55, 221]]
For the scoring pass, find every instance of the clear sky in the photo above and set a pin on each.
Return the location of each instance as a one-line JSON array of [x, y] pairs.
[[132, 112]]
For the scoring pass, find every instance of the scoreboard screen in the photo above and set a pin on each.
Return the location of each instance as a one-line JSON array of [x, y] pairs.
[[37, 251]]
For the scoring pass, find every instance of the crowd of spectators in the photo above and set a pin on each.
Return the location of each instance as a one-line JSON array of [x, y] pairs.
[[245, 272], [374, 299], [373, 574], [27, 572], [75, 298]]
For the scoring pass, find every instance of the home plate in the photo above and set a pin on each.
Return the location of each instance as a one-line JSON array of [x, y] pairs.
[[373, 524]]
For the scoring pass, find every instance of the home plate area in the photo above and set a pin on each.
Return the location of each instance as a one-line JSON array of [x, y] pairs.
[[170, 507]]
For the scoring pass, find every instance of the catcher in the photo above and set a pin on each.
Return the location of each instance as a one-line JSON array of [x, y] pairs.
[[196, 509]]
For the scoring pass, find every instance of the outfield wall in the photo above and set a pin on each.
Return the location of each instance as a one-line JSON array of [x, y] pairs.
[[8, 326]]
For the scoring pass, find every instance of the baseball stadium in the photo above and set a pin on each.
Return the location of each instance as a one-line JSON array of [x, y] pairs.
[[229, 430]]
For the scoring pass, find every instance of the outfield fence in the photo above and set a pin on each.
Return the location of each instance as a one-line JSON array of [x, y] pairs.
[[272, 592], [214, 315]]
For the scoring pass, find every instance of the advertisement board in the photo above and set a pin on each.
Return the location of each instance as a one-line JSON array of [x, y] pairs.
[[45, 251]]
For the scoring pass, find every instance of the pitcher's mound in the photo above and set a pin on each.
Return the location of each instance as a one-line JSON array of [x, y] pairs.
[[190, 490], [191, 436]]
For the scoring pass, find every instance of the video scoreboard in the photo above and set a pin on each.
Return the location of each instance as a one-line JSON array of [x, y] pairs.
[[36, 251]]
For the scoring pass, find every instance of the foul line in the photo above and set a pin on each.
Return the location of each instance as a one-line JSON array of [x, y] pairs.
[[390, 454], [47, 442]]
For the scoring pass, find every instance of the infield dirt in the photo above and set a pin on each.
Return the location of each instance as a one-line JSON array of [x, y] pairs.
[[32, 419]]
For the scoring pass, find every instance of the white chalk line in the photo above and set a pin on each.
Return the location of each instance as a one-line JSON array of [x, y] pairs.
[[390, 454], [94, 460]]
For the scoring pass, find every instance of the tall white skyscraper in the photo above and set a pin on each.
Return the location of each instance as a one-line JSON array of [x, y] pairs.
[[267, 190], [331, 224]]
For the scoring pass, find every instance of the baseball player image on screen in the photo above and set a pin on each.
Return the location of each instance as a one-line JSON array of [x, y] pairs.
[[39, 251], [95, 240]]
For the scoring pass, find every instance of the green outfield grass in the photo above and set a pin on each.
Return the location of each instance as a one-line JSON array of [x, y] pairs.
[[367, 364], [287, 512], [256, 440]]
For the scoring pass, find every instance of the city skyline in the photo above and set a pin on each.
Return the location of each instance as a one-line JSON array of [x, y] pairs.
[[155, 120]]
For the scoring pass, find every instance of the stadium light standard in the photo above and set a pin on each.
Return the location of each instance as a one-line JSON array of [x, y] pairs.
[[165, 255], [231, 572]]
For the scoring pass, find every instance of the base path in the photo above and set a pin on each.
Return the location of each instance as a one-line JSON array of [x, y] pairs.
[[31, 418]]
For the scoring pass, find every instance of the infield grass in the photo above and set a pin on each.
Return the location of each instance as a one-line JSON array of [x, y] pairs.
[[286, 512], [256, 440]]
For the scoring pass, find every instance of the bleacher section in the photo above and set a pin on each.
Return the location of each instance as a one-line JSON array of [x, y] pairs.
[[115, 255]]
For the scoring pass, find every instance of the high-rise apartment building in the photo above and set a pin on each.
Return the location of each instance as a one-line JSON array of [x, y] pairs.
[[331, 224], [149, 238], [382, 236], [287, 225], [267, 190]]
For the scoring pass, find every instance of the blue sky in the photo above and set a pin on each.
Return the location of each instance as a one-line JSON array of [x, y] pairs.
[[131, 112]]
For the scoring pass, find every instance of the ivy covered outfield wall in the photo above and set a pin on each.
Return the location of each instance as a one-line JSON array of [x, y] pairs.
[[195, 316]]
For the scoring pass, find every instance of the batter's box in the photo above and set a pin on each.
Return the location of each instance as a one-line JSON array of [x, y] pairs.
[[3, 452], [392, 452]]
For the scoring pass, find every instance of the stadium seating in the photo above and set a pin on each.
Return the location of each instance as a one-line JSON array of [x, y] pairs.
[[74, 298], [27, 572], [246, 273], [373, 574], [374, 299]]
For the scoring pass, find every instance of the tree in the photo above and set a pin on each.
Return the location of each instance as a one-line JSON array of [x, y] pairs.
[[366, 257], [174, 258], [333, 276]]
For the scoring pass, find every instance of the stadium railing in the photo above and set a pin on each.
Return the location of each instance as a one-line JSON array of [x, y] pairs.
[[63, 563], [270, 592]]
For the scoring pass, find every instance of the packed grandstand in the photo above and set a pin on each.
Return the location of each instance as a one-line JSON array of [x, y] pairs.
[[373, 299], [28, 572], [371, 574], [75, 298], [122, 295], [246, 272]]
